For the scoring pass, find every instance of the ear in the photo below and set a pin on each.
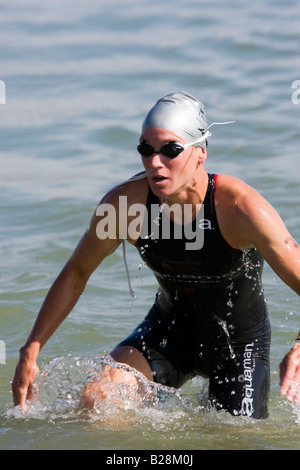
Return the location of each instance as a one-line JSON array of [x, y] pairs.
[[202, 155]]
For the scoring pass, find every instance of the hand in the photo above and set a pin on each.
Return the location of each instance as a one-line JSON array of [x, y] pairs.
[[23, 381], [290, 375]]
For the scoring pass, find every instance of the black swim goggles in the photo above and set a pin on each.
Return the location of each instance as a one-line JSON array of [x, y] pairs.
[[170, 149]]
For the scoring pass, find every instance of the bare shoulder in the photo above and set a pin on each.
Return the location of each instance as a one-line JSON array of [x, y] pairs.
[[119, 207], [242, 211], [134, 189], [234, 196], [103, 236], [233, 187]]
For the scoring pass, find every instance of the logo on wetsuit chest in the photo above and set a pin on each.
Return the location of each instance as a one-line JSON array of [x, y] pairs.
[[205, 224]]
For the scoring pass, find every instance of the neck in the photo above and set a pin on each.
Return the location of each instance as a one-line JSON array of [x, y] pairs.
[[191, 196], [191, 193]]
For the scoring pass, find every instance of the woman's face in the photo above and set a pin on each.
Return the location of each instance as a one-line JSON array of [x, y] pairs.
[[170, 176]]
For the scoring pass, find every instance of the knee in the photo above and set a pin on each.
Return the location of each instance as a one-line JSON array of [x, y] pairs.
[[92, 392], [116, 385]]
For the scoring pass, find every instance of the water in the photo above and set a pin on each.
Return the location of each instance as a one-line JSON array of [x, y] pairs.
[[79, 78]]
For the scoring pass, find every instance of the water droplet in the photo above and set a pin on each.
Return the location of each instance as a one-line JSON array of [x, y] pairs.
[[223, 324]]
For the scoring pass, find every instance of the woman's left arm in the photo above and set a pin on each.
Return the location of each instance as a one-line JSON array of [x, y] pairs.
[[249, 221], [260, 226]]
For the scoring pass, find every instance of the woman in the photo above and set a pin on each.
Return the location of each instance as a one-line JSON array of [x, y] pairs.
[[205, 241]]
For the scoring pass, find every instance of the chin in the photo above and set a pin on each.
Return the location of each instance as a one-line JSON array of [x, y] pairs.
[[160, 192]]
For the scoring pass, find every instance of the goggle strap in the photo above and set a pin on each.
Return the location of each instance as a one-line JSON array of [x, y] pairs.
[[207, 133], [221, 123]]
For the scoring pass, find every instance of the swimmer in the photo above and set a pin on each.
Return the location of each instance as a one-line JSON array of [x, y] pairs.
[[211, 235]]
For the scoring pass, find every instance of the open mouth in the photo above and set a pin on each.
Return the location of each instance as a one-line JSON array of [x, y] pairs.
[[158, 179]]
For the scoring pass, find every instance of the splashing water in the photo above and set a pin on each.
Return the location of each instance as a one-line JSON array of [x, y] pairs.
[[60, 384], [164, 410]]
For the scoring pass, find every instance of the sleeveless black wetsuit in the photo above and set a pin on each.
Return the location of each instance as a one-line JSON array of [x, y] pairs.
[[209, 317]]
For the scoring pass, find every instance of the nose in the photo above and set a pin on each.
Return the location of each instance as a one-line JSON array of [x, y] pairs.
[[154, 160]]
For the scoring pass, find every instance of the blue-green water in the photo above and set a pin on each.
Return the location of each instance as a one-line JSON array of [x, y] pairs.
[[79, 78]]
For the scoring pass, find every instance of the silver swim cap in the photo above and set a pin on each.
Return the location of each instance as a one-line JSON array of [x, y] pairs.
[[180, 113]]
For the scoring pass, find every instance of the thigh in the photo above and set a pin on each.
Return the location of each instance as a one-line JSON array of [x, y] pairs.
[[133, 358], [164, 350], [240, 385]]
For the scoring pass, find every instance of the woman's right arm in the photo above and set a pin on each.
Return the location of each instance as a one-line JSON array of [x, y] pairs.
[[70, 284], [58, 303]]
